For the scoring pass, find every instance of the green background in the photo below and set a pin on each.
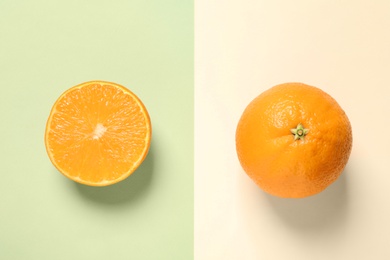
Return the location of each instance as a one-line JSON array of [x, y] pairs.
[[47, 47]]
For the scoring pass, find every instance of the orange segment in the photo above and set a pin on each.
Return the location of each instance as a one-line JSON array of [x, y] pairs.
[[98, 133]]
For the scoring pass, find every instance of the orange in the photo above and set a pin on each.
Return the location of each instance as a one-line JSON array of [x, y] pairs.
[[293, 140], [98, 133]]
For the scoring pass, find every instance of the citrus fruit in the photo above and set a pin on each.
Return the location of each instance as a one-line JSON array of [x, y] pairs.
[[98, 133], [293, 140]]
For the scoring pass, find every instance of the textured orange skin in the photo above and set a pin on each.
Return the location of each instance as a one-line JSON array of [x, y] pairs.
[[279, 164]]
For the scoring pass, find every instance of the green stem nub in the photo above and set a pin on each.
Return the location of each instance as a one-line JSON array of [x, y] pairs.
[[299, 132]]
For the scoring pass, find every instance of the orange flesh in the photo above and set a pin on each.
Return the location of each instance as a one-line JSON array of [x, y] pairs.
[[98, 133]]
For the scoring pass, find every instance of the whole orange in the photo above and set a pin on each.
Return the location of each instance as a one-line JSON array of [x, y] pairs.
[[293, 140]]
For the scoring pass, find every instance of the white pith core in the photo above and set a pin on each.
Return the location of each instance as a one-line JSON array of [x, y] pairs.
[[99, 131]]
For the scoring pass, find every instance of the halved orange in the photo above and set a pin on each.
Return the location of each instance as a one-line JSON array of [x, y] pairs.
[[98, 133]]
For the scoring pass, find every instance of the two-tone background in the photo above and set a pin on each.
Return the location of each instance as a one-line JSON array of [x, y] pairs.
[[195, 64]]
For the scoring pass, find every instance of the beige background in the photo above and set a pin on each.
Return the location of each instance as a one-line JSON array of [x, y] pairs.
[[241, 49]]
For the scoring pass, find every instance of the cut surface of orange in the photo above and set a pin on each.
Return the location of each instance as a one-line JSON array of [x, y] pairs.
[[98, 133]]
